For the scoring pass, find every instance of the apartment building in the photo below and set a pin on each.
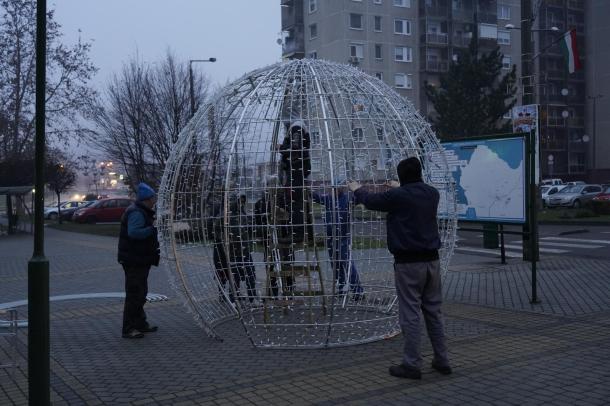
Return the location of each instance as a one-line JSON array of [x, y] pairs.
[[402, 42], [562, 96]]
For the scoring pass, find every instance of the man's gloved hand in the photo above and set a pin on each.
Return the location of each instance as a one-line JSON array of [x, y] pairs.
[[393, 183], [353, 186]]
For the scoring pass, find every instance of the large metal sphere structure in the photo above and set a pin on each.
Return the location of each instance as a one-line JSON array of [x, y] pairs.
[[256, 222]]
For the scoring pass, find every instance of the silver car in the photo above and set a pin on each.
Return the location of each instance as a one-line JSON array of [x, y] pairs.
[[574, 196], [548, 191]]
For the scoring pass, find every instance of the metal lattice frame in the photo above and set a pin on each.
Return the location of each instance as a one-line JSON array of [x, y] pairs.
[[254, 218]]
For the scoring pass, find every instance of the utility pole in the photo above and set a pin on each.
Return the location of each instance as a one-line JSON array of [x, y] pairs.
[[38, 266], [593, 163]]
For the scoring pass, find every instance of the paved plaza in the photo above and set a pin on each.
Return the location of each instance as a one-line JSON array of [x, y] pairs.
[[504, 350]]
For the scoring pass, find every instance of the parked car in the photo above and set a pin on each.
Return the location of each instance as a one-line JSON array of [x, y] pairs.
[[51, 213], [601, 202], [105, 210], [551, 182], [547, 191], [66, 214], [574, 196], [576, 182]]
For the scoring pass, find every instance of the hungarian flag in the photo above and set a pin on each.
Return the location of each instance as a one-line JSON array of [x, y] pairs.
[[568, 45]]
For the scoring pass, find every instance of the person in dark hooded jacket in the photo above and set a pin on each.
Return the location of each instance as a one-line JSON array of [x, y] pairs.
[[138, 251], [414, 241], [295, 164]]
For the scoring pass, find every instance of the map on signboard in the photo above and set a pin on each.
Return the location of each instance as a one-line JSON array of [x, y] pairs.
[[489, 178]]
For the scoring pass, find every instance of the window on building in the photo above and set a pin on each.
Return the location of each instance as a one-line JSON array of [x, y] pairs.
[[315, 164], [503, 12], [506, 62], [377, 23], [315, 137], [313, 5], [356, 51], [488, 31], [503, 37], [358, 134], [379, 75], [355, 21], [403, 54], [313, 31], [313, 55], [402, 3], [400, 80], [378, 51], [377, 1], [403, 81], [402, 27]]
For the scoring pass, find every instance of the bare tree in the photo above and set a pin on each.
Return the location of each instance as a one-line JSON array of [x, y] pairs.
[[60, 174], [142, 113], [67, 93]]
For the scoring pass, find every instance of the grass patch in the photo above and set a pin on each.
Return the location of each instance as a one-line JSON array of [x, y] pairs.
[[109, 230], [571, 215]]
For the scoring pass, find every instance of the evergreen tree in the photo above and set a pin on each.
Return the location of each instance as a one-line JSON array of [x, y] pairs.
[[473, 96]]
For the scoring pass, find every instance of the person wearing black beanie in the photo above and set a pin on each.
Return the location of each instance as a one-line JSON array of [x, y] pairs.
[[414, 241]]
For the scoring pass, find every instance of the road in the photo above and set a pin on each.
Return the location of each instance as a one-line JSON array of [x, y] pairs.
[[563, 240]]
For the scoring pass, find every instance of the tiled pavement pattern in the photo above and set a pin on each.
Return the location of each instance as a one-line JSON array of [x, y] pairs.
[[553, 353]]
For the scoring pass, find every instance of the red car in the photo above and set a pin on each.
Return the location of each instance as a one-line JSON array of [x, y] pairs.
[[105, 210], [604, 195], [601, 202]]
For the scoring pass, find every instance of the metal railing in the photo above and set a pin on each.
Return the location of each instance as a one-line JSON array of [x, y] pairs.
[[8, 332], [436, 38], [437, 66]]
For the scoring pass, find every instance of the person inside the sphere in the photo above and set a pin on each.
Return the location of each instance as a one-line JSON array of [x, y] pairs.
[[215, 229], [337, 217], [295, 165], [263, 211], [240, 256]]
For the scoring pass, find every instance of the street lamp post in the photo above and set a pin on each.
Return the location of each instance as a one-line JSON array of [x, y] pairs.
[[191, 80], [594, 98], [38, 266]]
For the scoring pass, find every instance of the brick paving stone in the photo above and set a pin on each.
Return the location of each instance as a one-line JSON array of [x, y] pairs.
[[504, 350]]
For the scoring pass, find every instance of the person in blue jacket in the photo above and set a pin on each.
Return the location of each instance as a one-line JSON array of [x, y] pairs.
[[138, 251], [414, 241], [338, 237]]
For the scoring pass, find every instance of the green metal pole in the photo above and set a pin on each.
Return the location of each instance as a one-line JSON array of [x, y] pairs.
[[533, 221], [38, 266]]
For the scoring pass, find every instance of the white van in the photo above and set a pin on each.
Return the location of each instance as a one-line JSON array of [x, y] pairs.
[[551, 182]]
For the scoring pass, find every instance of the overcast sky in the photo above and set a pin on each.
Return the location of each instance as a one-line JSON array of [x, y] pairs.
[[241, 34]]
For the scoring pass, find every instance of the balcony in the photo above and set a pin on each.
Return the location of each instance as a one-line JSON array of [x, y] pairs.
[[576, 5], [576, 122], [437, 66], [293, 48], [466, 15], [435, 38], [555, 3], [553, 145], [460, 41], [552, 121], [436, 11]]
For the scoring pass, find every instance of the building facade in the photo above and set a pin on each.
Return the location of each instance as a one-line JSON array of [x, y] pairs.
[[402, 42], [561, 95]]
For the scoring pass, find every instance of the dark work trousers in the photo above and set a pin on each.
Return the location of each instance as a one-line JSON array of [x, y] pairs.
[[136, 289], [418, 286]]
